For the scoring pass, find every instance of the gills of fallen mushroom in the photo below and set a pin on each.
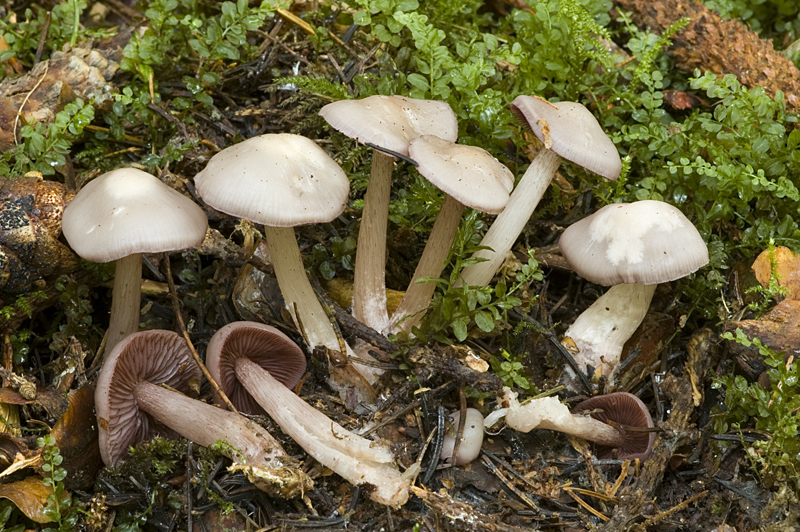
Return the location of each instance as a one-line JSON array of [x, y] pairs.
[[567, 130], [283, 181], [140, 393], [389, 123], [117, 217], [633, 246], [242, 355], [625, 410]]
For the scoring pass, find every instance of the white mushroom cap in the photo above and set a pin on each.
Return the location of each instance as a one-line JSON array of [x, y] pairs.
[[391, 122], [471, 439], [469, 174], [570, 130], [129, 211], [280, 180], [645, 242]]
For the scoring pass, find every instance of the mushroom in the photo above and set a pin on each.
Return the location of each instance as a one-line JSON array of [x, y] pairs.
[[120, 215], [626, 410], [389, 123], [467, 175], [568, 130], [140, 393], [471, 438], [238, 357], [632, 246], [282, 181]]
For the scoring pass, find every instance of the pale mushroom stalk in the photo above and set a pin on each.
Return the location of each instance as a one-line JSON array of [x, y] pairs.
[[418, 295], [601, 331], [301, 298], [369, 276], [125, 299], [181, 414], [356, 459], [549, 413], [468, 176], [296, 289], [509, 224]]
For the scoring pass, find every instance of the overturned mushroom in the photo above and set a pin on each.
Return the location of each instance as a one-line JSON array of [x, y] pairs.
[[550, 413], [140, 393], [235, 357]]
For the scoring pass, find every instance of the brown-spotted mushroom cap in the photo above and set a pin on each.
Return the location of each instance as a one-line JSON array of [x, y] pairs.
[[469, 174], [570, 130], [391, 122], [627, 410], [264, 345], [128, 211], [645, 242], [120, 421], [280, 180]]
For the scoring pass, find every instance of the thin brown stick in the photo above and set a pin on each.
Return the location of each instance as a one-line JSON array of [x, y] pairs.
[[462, 422], [658, 517], [176, 305]]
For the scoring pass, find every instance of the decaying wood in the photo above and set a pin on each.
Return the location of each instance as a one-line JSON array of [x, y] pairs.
[[38, 95], [720, 46]]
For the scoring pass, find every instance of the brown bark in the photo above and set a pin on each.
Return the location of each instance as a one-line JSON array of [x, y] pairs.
[[720, 46]]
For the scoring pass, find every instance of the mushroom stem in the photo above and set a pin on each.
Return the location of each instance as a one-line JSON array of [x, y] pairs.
[[356, 459], [369, 281], [125, 299], [509, 224], [601, 331], [301, 299], [254, 450], [418, 295], [550, 413], [182, 414]]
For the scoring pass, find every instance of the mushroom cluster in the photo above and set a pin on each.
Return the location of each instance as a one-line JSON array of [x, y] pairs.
[[283, 181]]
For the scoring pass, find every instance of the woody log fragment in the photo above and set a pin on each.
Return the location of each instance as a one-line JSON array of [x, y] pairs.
[[720, 46]]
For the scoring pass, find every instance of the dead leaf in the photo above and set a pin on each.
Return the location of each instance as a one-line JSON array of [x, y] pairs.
[[787, 268], [30, 496]]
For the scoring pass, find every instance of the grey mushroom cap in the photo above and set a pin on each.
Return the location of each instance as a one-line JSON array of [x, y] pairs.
[[570, 130], [391, 122], [129, 211], [645, 242], [121, 423], [280, 180], [266, 346], [469, 174]]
